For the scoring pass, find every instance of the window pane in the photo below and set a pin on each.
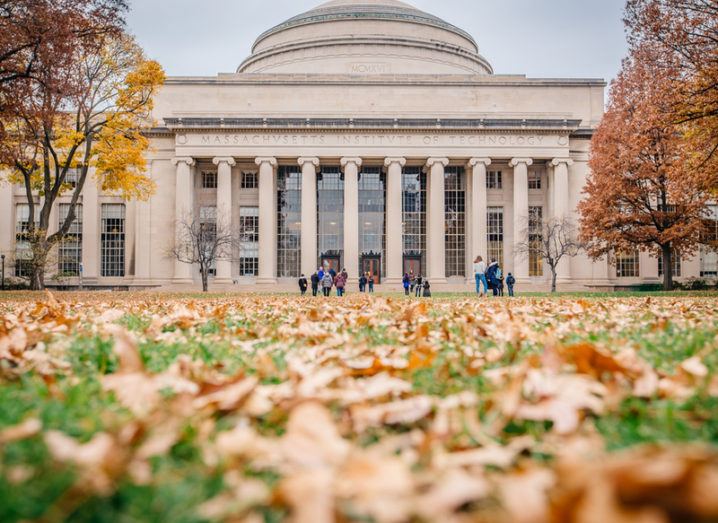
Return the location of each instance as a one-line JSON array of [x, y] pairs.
[[455, 221], [372, 209], [535, 239], [112, 240], [414, 213], [495, 236], [289, 222], [70, 249], [249, 241], [330, 204], [209, 179], [627, 264]]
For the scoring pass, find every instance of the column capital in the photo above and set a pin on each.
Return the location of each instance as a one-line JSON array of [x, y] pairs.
[[517, 161], [479, 161], [346, 161], [392, 160], [225, 159], [430, 162], [268, 159], [308, 159], [558, 161], [184, 159]]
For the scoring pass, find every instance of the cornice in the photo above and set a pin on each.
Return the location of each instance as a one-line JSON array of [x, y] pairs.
[[451, 80]]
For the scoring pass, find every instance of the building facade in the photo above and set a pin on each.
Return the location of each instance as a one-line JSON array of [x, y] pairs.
[[363, 134]]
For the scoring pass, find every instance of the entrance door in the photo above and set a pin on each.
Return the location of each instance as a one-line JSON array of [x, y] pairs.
[[412, 264], [372, 265], [331, 261]]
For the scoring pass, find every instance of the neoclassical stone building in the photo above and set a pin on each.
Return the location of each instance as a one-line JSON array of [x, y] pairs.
[[363, 134]]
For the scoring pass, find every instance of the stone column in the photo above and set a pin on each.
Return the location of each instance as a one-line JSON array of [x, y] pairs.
[[90, 230], [561, 206], [479, 228], [267, 221], [184, 193], [143, 239], [521, 212], [394, 220], [436, 231], [224, 213], [351, 215], [7, 223], [309, 262]]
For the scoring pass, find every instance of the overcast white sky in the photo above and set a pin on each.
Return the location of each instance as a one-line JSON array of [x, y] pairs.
[[539, 38]]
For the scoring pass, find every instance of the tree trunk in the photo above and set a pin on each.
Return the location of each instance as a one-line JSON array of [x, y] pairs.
[[554, 274], [205, 284], [37, 278], [667, 255]]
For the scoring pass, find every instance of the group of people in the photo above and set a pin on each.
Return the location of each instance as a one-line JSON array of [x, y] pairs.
[[491, 278], [328, 279], [416, 285]]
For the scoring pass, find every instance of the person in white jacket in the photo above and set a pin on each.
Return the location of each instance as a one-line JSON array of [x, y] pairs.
[[480, 275]]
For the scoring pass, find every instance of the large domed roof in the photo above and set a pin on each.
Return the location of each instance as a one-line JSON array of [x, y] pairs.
[[365, 37]]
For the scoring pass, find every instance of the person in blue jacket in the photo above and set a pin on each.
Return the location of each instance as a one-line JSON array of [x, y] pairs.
[[492, 277], [406, 281]]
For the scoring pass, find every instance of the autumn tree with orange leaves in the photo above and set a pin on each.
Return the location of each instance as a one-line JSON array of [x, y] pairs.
[[684, 34], [643, 192], [82, 114]]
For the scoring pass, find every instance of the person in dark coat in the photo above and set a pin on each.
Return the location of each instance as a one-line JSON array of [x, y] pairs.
[[419, 285], [427, 289], [363, 280], [371, 284], [303, 285], [315, 283], [510, 282], [492, 277]]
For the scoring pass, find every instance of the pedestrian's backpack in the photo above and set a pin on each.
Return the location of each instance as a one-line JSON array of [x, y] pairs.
[[510, 280]]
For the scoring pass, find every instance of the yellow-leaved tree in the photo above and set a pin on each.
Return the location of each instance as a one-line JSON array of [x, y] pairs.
[[85, 120]]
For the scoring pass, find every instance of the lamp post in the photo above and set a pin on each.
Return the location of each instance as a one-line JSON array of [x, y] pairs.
[[2, 278]]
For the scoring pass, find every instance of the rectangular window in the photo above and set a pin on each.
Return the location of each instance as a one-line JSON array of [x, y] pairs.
[[372, 214], [414, 215], [627, 264], [535, 239], [289, 221], [23, 252], [209, 179], [495, 236], [709, 239], [330, 215], [249, 241], [73, 176], [455, 221], [208, 236], [494, 180], [70, 249], [676, 265], [112, 240], [534, 180], [250, 180]]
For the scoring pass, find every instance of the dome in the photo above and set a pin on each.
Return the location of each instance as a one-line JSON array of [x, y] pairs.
[[365, 37]]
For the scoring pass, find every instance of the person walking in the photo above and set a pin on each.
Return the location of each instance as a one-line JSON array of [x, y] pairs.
[[315, 283], [492, 278], [327, 284], [419, 285], [500, 279], [510, 282], [480, 276], [363, 280], [412, 282], [303, 285], [406, 281], [320, 273], [371, 283], [340, 283]]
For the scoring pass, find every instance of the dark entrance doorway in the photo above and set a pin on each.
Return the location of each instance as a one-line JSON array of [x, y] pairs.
[[331, 261], [412, 264], [371, 264]]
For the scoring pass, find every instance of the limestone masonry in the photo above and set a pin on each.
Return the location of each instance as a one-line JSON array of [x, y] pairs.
[[363, 134]]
